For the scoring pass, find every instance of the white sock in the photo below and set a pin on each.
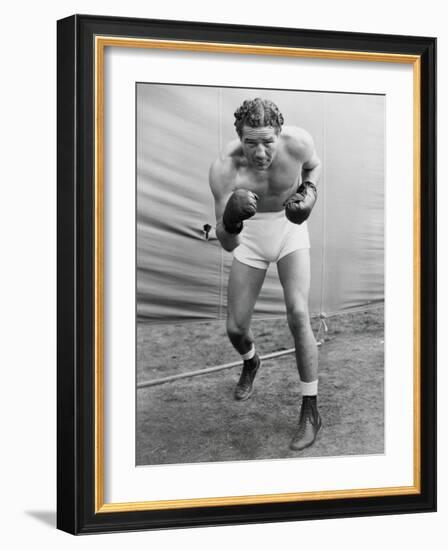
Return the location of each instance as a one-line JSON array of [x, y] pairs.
[[309, 388], [249, 354]]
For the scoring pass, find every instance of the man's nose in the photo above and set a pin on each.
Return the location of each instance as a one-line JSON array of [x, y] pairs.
[[260, 152]]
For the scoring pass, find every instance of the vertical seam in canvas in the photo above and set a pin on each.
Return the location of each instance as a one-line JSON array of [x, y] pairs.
[[221, 265], [324, 217]]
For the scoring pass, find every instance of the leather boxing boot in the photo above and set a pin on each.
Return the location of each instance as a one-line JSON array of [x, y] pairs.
[[245, 387], [309, 424]]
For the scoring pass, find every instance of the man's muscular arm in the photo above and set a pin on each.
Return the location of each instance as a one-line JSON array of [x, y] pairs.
[[300, 145], [312, 168], [299, 205], [221, 191]]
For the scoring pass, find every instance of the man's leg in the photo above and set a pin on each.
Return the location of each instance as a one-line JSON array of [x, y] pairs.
[[245, 283], [294, 274]]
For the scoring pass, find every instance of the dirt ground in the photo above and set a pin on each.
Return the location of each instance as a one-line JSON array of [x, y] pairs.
[[197, 420]]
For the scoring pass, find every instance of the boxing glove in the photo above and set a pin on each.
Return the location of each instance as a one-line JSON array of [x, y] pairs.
[[241, 205], [298, 206]]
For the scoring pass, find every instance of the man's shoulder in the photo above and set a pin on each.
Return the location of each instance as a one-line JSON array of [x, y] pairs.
[[228, 160], [225, 166], [297, 141], [232, 153]]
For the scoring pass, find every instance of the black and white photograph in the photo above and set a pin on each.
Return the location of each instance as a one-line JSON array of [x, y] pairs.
[[259, 274]]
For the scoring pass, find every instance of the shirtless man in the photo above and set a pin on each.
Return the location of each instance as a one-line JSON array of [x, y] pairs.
[[264, 186]]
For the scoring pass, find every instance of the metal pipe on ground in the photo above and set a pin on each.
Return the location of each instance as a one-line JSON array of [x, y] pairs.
[[208, 370]]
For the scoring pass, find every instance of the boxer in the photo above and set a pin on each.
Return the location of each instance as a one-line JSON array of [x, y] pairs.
[[264, 186]]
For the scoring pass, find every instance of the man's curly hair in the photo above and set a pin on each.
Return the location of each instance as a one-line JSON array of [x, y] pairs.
[[258, 112]]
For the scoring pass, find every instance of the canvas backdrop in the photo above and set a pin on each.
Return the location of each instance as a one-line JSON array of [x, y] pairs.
[[182, 275]]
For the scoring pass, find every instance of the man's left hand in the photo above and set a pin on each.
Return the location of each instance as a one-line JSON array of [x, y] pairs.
[[298, 206]]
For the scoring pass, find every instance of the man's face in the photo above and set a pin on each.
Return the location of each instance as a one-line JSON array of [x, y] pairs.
[[259, 146]]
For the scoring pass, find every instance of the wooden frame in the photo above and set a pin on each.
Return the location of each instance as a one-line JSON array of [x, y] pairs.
[[81, 44]]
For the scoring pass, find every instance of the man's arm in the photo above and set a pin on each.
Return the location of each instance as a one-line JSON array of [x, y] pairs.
[[311, 164], [299, 205], [221, 193], [300, 145], [312, 168]]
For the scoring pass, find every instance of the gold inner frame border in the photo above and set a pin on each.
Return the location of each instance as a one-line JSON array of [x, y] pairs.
[[100, 43]]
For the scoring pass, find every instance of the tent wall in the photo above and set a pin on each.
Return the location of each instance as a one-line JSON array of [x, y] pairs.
[[180, 130]]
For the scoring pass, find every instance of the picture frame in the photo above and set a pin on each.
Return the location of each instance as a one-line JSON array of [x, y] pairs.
[[82, 42]]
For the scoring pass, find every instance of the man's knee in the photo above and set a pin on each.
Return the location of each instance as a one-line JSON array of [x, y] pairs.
[[236, 329], [298, 315]]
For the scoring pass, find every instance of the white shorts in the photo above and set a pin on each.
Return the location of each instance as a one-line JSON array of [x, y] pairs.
[[269, 236]]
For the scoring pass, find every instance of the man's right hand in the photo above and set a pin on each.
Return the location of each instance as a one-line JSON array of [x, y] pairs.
[[241, 205]]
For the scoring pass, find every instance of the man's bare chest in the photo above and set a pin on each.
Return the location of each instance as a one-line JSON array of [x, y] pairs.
[[273, 182]]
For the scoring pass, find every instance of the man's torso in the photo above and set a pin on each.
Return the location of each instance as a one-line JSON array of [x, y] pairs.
[[274, 185]]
